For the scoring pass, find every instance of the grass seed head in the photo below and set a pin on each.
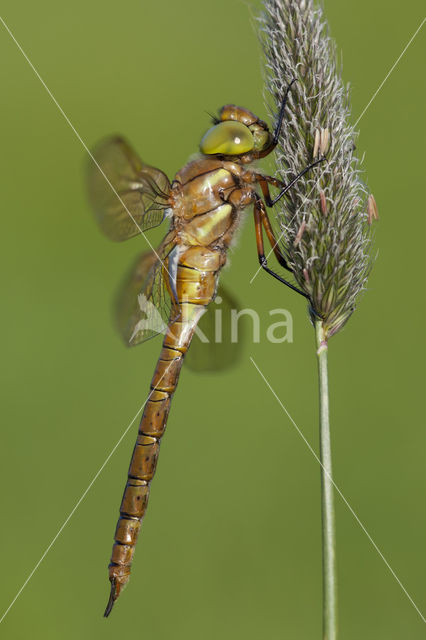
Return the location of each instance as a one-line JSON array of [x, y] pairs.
[[325, 218]]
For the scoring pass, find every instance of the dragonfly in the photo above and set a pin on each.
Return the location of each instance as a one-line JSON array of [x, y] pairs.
[[169, 288]]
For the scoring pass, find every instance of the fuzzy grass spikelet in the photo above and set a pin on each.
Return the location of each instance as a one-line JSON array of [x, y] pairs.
[[325, 219]]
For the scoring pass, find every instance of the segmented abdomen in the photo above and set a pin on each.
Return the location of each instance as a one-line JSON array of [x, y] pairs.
[[196, 282]]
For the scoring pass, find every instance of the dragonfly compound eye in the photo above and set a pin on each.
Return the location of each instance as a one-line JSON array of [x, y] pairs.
[[262, 138], [227, 138]]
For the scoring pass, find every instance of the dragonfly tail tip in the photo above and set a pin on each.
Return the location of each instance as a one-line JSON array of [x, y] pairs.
[[112, 598]]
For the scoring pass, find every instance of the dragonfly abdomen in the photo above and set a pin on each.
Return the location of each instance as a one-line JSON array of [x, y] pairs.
[[143, 465], [196, 281]]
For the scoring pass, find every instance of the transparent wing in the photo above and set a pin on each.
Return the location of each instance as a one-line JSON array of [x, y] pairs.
[[225, 338], [143, 306], [127, 195]]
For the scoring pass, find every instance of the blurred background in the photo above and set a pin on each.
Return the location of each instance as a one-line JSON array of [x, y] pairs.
[[231, 545]]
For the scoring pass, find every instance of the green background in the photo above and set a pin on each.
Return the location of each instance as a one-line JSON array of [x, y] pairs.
[[231, 545]]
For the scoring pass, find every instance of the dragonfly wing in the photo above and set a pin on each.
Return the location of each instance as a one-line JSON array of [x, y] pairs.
[[143, 306], [127, 195], [222, 349]]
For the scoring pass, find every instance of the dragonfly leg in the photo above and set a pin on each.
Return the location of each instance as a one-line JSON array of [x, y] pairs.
[[275, 137], [265, 179], [259, 213], [273, 241], [264, 182], [281, 113]]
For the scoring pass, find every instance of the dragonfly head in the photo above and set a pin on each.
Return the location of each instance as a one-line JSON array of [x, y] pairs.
[[237, 132]]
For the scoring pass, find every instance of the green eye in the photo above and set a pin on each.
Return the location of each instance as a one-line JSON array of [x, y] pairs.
[[229, 137], [261, 138]]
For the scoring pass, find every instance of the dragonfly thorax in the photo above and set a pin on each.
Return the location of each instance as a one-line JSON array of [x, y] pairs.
[[208, 195]]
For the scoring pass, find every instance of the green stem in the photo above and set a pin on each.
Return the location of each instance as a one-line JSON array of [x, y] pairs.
[[327, 495]]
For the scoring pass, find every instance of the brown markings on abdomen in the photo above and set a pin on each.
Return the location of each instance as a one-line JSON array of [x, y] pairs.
[[195, 286]]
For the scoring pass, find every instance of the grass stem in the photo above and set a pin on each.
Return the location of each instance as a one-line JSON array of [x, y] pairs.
[[327, 495]]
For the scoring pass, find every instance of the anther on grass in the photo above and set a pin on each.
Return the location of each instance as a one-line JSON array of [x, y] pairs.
[[323, 202], [322, 142], [299, 233], [372, 211]]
